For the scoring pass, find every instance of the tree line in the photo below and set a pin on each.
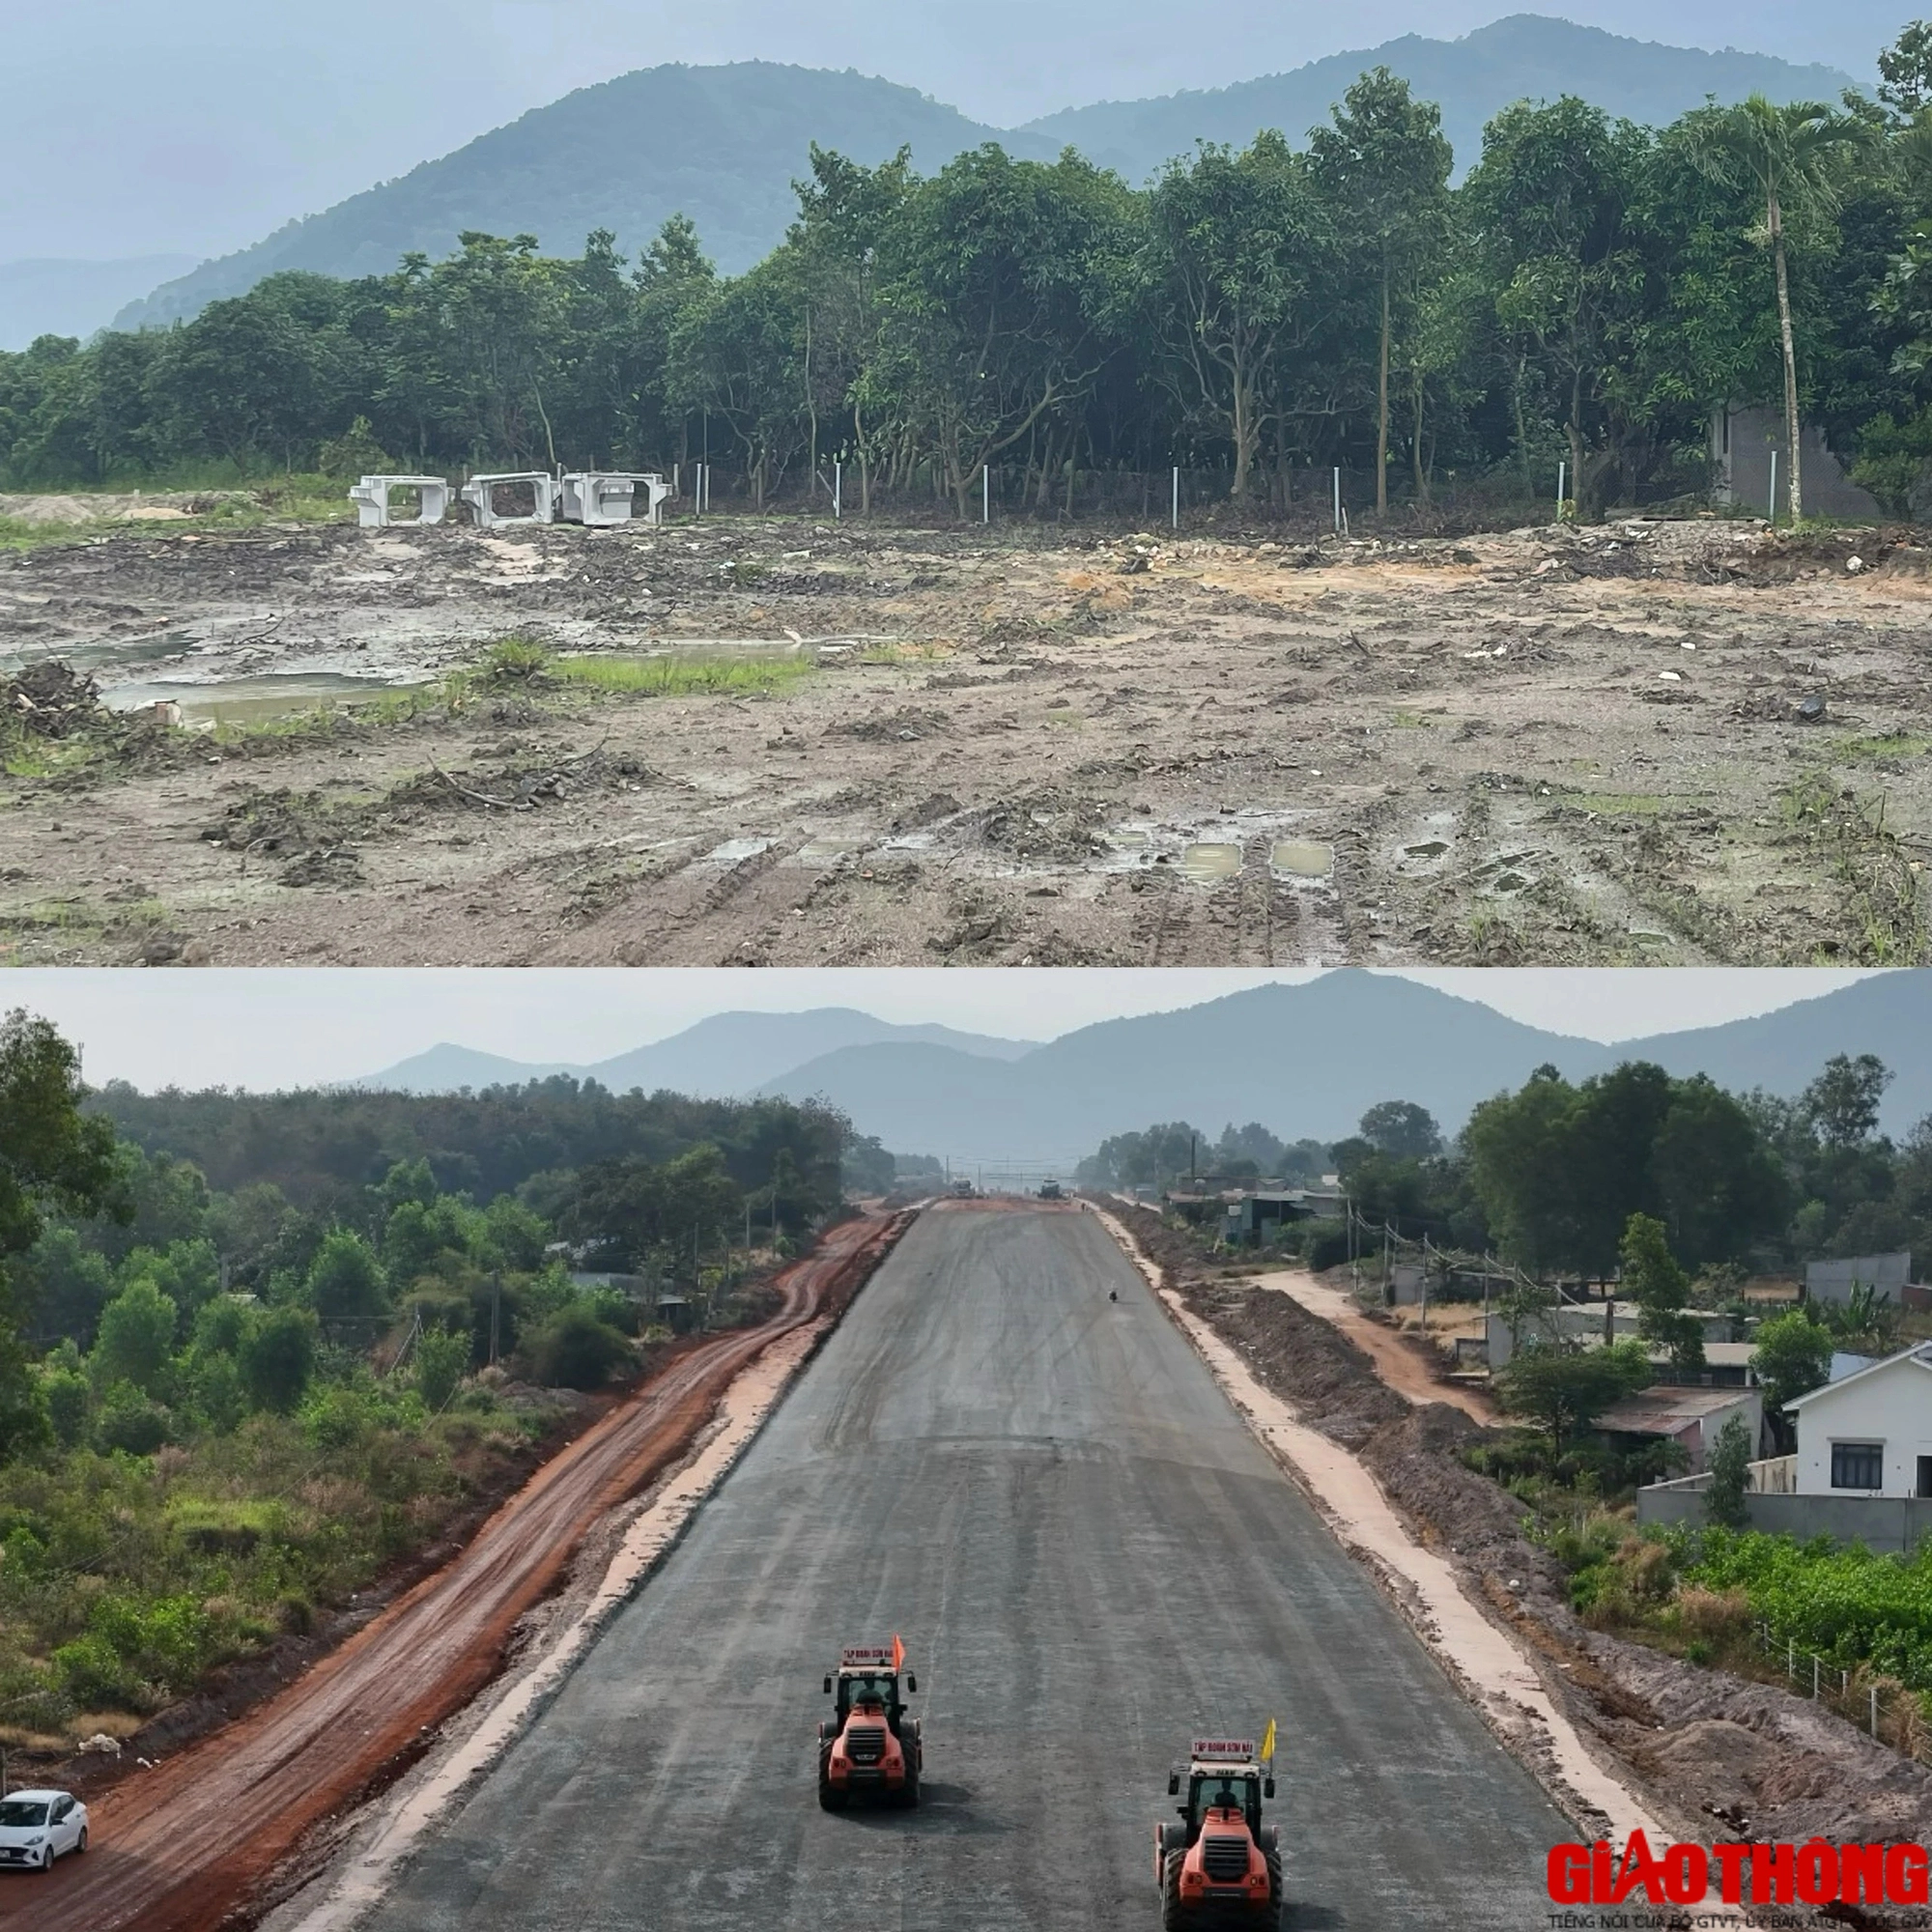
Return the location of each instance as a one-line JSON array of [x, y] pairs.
[[1587, 294], [172, 1263]]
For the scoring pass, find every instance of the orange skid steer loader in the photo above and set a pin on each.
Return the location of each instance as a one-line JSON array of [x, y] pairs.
[[870, 1747], [1220, 1865]]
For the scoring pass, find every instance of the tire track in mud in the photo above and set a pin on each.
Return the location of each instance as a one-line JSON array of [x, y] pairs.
[[188, 1845]]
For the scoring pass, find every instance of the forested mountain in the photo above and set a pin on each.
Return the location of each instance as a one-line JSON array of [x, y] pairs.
[[723, 145], [1526, 56], [719, 145]]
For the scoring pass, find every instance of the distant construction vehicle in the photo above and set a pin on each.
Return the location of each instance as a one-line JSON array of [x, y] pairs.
[[963, 1190], [871, 1746], [1050, 1190], [1220, 1864]]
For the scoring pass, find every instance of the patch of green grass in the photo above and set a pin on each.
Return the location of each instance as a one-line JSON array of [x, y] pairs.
[[1411, 721], [1867, 751], [1882, 913], [515, 661], [1618, 803], [682, 677]]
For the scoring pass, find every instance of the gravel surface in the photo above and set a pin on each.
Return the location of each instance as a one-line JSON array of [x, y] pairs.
[[1089, 1558]]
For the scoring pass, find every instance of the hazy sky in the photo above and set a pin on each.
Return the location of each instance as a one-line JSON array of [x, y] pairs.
[[288, 1027], [147, 127]]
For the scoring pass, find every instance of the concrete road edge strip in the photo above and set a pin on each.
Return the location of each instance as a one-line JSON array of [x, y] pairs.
[[751, 1398], [1498, 1678]]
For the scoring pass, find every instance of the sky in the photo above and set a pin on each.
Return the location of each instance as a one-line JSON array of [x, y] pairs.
[[290, 1027], [197, 126]]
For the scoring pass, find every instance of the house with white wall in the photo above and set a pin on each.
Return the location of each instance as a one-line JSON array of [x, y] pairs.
[[1870, 1432]]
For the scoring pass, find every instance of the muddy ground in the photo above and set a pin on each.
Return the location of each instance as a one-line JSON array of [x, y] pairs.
[[1722, 1757], [1602, 746]]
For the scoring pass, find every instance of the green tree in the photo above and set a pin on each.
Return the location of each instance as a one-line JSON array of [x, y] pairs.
[[1384, 167], [277, 1358], [346, 1282], [442, 1361], [1238, 272], [1564, 1390], [136, 1339], [1841, 1105], [52, 1157], [1729, 1467], [1401, 1129], [1793, 1356], [1786, 155], [1661, 1289]]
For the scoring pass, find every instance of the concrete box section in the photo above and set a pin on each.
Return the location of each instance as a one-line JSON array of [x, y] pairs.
[[494, 500], [604, 498], [373, 509]]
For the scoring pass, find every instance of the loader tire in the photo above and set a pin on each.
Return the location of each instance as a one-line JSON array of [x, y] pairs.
[[1172, 1914], [1276, 1901], [831, 1798], [909, 1791]]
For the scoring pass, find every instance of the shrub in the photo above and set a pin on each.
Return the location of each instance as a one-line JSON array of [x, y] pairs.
[[442, 1360], [94, 1674], [277, 1358], [131, 1421], [575, 1349], [70, 1402]]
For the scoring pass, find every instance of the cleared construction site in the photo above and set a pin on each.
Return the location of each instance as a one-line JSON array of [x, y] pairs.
[[743, 740]]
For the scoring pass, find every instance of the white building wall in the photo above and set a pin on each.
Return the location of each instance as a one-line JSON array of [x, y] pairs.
[[1893, 1406]]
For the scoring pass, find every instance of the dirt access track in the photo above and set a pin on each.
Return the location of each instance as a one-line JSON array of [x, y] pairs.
[[1681, 742], [183, 1846]]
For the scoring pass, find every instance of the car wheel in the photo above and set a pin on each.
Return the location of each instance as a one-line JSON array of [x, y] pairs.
[[47, 1857], [80, 1844]]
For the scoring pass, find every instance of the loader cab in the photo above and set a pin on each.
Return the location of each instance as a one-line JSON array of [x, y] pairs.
[[867, 1680], [1225, 1786]]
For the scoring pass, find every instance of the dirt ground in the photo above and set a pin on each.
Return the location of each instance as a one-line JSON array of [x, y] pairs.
[[1681, 742], [1725, 1758]]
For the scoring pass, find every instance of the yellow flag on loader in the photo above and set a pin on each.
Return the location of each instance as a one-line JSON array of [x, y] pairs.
[[1267, 1744]]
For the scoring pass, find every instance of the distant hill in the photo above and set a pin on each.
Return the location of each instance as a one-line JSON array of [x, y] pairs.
[[723, 144], [728, 1055], [52, 298], [1526, 56], [1309, 1060], [719, 144]]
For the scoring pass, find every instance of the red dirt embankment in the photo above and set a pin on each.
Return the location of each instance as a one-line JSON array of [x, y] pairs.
[[182, 1847]]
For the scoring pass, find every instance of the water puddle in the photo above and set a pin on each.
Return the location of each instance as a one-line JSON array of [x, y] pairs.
[[1210, 865], [248, 700], [1294, 858]]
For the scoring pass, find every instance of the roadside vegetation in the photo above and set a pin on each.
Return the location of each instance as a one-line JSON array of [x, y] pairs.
[[257, 1351], [1684, 1195]]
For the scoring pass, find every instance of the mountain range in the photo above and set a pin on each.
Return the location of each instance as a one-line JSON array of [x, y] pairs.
[[723, 144], [1303, 1060]]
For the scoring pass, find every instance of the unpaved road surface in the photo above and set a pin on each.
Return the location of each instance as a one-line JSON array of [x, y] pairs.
[[1091, 1559], [1398, 1365], [178, 1847], [1540, 746]]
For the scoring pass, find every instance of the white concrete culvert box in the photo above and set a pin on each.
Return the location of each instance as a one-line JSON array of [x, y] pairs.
[[486, 497], [374, 510], [606, 499]]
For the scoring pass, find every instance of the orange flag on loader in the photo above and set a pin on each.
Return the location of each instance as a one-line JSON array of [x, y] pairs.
[[898, 1653]]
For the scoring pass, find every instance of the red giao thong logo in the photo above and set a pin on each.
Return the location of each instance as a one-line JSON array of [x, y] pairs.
[[1816, 1872]]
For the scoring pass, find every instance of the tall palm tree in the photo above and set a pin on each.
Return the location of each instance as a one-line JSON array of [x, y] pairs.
[[1785, 155]]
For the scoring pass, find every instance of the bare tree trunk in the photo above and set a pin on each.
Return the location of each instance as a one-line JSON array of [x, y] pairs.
[[811, 407], [1382, 410], [1421, 474], [1774, 220]]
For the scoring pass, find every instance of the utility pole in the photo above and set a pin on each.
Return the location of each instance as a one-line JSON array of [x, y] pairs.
[[1177, 495], [496, 1314], [1771, 508], [986, 492]]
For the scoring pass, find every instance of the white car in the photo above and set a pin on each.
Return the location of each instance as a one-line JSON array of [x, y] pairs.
[[35, 1826]]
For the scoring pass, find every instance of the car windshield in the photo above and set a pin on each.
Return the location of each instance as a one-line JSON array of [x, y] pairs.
[[12, 1813]]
